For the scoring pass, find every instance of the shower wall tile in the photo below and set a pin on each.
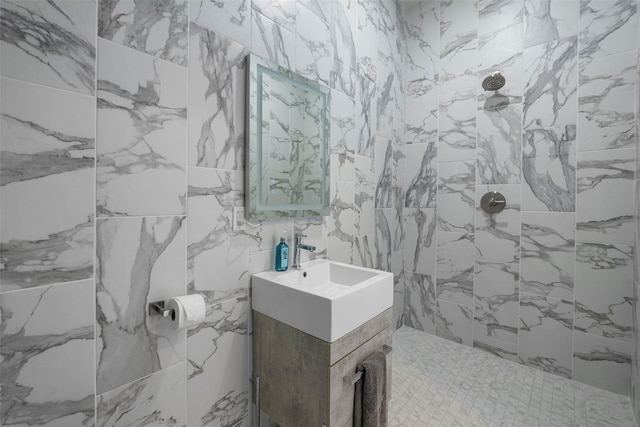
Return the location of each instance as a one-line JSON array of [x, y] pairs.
[[499, 149], [367, 38], [605, 175], [384, 171], [503, 349], [458, 45], [46, 164], [217, 78], [603, 291], [282, 13], [342, 137], [157, 399], [421, 175], [140, 260], [364, 251], [420, 301], [341, 231], [217, 255], [550, 82], [607, 28], [502, 51], [344, 27], [455, 268], [228, 18], [549, 169], [365, 193], [420, 241], [606, 107], [548, 253], [320, 8], [397, 269], [547, 20], [271, 41], [366, 113], [383, 238], [457, 126], [454, 322], [141, 134], [494, 15], [53, 44], [48, 355], [496, 300], [422, 111], [217, 375], [314, 53], [498, 235], [159, 29], [602, 362], [545, 334], [456, 196]]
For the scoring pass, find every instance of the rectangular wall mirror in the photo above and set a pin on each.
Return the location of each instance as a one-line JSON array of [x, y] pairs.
[[287, 169]]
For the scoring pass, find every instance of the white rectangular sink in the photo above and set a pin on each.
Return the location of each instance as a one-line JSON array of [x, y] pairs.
[[325, 299]]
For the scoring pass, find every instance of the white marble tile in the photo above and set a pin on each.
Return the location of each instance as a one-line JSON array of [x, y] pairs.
[[397, 269], [498, 150], [503, 349], [454, 322], [217, 77], [364, 251], [605, 174], [498, 235], [141, 134], [545, 335], [366, 114], [606, 107], [495, 15], [603, 290], [140, 260], [281, 12], [321, 8], [421, 176], [365, 195], [456, 196], [271, 41], [343, 29], [458, 45], [314, 52], [158, 400], [48, 355], [53, 44], [602, 362], [218, 357], [314, 231], [384, 168], [607, 27], [341, 223], [547, 20], [384, 238], [367, 38], [47, 175], [457, 126], [342, 137], [420, 240], [455, 267], [228, 18], [420, 302], [548, 253], [159, 29]]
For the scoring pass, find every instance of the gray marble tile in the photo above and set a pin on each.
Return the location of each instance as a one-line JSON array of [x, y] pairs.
[[454, 322], [607, 27], [605, 174], [384, 238], [421, 175], [547, 20], [498, 151], [503, 349], [217, 77], [366, 115], [606, 107], [494, 15], [548, 252], [457, 126], [139, 260], [602, 362], [341, 231], [545, 335], [281, 12], [364, 251], [217, 375], [384, 165], [156, 28], [501, 51], [388, 73], [550, 83], [231, 19], [53, 44], [548, 169], [155, 400], [458, 45], [455, 267], [604, 290], [365, 195], [367, 38], [420, 302], [141, 121], [397, 269], [342, 137], [46, 177], [420, 240], [498, 235], [314, 51], [496, 300], [48, 355], [271, 41], [456, 196], [345, 60], [635, 356]]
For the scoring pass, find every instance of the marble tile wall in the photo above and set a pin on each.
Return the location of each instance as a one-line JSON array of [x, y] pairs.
[[547, 281], [635, 314], [122, 159]]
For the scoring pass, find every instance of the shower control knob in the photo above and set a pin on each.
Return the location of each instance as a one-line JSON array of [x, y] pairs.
[[493, 202]]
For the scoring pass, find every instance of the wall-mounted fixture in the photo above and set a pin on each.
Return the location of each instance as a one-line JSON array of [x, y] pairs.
[[493, 202], [494, 82]]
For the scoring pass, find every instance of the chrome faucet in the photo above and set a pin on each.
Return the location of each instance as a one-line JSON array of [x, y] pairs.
[[297, 245]]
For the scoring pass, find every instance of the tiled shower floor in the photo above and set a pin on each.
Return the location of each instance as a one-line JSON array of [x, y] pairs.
[[440, 383]]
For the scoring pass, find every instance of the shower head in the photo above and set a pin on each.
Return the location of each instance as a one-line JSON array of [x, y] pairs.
[[493, 82]]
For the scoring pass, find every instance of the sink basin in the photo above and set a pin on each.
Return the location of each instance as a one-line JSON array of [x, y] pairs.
[[325, 299]]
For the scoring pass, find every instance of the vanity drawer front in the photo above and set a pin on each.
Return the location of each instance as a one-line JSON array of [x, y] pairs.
[[341, 393], [355, 338]]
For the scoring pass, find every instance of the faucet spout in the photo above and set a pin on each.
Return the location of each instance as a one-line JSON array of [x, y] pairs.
[[297, 246]]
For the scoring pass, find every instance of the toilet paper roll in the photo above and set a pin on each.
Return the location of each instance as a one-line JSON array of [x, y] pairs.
[[187, 311]]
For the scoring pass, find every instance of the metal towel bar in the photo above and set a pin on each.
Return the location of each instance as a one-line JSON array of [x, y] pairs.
[[351, 380]]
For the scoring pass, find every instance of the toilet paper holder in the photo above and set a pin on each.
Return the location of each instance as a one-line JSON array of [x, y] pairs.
[[157, 309]]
